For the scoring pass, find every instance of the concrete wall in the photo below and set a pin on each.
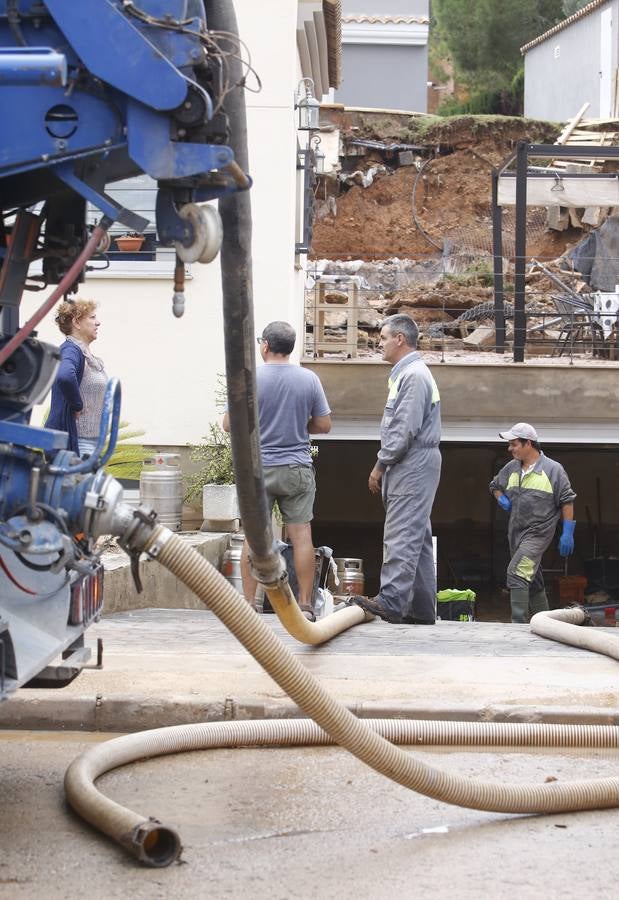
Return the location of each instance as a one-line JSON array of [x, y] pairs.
[[168, 366], [563, 72], [489, 390], [161, 589], [385, 77]]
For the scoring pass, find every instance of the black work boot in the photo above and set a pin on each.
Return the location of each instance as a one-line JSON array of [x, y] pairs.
[[371, 605], [519, 600], [538, 602]]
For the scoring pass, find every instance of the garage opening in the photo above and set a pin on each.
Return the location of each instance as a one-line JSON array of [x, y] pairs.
[[470, 528]]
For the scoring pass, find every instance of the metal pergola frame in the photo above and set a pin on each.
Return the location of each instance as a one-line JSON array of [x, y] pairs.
[[524, 151]]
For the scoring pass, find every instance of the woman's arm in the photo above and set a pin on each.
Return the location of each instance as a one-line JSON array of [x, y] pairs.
[[69, 375]]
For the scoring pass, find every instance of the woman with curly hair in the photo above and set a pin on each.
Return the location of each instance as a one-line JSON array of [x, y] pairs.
[[77, 393]]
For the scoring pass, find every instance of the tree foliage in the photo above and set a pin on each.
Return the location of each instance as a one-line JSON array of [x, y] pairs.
[[485, 36], [572, 6], [483, 39]]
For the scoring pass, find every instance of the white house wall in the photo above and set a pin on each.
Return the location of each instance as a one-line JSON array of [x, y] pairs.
[[564, 71], [384, 54], [167, 366]]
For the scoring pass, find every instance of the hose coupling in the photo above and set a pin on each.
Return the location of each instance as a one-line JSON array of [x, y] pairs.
[[142, 533], [153, 844]]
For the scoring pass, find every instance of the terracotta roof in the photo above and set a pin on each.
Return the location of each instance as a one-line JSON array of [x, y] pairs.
[[386, 20], [332, 12], [589, 8]]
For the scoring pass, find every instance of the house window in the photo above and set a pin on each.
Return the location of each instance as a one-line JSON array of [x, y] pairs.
[[139, 194]]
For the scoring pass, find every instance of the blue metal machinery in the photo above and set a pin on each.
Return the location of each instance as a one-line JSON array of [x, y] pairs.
[[92, 92]]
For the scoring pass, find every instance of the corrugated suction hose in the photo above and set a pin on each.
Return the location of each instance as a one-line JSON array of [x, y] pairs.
[[354, 734]]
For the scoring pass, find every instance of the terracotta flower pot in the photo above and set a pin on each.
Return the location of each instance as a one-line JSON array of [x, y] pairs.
[[130, 244]]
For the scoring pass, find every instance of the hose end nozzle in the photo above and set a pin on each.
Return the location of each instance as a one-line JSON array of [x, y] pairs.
[[153, 844]]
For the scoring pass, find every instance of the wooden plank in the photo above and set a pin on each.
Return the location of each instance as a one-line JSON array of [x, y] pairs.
[[571, 125]]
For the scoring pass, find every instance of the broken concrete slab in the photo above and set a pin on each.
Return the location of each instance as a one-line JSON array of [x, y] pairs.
[[483, 336]]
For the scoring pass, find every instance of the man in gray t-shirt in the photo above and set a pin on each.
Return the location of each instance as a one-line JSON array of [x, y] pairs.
[[291, 406]]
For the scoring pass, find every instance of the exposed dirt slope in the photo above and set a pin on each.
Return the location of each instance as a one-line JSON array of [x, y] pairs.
[[452, 198]]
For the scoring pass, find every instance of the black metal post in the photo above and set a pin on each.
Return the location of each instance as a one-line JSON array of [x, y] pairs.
[[520, 251], [497, 266]]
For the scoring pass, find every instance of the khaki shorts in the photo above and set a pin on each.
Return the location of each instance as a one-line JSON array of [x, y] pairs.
[[294, 488]]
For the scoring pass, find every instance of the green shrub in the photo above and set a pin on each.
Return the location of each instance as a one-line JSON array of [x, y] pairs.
[[214, 455]]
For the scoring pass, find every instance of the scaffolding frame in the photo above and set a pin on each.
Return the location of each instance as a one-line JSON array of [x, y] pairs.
[[523, 153]]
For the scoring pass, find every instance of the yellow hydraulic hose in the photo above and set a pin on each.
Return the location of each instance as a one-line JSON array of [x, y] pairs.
[[290, 615], [341, 725]]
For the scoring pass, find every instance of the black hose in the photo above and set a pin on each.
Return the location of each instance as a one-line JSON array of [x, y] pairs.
[[238, 311]]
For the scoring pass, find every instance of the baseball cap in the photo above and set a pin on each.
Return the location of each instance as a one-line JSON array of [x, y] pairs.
[[520, 430]]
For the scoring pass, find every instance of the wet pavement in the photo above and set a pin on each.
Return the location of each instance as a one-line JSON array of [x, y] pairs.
[[164, 666], [301, 824]]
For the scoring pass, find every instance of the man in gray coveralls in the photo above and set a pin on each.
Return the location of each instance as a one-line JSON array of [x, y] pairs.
[[407, 471], [536, 492]]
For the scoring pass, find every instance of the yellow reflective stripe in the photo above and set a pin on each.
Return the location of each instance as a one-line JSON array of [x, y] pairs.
[[393, 387], [526, 569], [537, 481], [534, 481], [394, 383]]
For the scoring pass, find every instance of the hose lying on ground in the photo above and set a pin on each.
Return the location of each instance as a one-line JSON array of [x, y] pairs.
[[341, 725], [159, 845], [563, 625]]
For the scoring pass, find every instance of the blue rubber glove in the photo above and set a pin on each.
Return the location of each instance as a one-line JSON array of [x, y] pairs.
[[504, 502], [566, 541]]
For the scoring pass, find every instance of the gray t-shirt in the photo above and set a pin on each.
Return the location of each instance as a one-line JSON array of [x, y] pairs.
[[288, 397]]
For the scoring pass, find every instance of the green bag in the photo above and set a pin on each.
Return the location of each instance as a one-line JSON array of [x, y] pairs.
[[453, 605]]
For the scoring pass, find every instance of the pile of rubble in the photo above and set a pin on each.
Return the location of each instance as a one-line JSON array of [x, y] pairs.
[[453, 311]]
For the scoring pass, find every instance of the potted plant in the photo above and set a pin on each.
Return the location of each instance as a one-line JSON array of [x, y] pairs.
[[214, 481], [130, 242]]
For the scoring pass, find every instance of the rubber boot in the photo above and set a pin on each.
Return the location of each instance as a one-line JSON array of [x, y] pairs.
[[538, 602], [519, 600]]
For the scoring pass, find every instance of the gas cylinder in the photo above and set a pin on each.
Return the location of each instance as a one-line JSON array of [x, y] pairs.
[[351, 577], [161, 488]]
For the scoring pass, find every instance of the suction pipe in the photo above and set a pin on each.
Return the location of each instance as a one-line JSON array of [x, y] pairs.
[[339, 723], [235, 211]]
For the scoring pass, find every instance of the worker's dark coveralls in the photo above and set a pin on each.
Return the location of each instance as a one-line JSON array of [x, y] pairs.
[[410, 433], [536, 499]]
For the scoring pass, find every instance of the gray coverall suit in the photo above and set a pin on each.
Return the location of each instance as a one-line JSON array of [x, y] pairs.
[[410, 433], [536, 499]]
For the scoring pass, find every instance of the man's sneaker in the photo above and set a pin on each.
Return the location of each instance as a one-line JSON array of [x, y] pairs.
[[371, 605]]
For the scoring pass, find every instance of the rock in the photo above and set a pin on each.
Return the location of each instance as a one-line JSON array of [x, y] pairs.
[[369, 318], [336, 297], [483, 336]]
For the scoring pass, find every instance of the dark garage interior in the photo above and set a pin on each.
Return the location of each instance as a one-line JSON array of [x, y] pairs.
[[470, 528]]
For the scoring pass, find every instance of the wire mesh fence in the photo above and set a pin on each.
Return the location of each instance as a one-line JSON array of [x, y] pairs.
[[456, 314]]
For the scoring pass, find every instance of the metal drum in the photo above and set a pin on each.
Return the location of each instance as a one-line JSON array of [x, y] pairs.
[[161, 487], [231, 565], [350, 574]]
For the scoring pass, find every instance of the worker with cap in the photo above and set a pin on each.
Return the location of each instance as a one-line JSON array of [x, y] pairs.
[[536, 492]]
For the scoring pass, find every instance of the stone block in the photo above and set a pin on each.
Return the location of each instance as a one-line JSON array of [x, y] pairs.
[[483, 336], [219, 501]]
